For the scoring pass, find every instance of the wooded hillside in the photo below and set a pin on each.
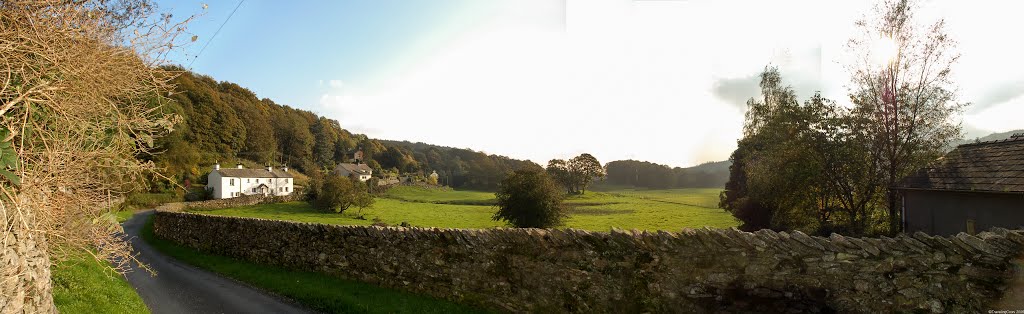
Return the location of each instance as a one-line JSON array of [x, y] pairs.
[[225, 122]]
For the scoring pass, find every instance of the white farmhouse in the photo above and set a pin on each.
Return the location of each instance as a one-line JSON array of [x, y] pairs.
[[354, 170], [234, 182]]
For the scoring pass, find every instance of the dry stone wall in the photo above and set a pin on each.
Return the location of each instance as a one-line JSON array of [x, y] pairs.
[[24, 270], [696, 270]]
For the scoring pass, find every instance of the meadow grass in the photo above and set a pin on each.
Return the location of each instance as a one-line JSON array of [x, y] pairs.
[[313, 290], [81, 284], [438, 196], [669, 210]]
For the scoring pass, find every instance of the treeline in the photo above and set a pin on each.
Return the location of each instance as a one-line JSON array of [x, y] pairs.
[[225, 122], [657, 176]]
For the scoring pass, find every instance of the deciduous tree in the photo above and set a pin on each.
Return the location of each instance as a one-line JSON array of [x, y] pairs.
[[529, 198], [903, 92], [339, 193]]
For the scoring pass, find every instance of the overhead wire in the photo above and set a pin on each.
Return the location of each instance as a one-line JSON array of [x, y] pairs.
[[215, 34]]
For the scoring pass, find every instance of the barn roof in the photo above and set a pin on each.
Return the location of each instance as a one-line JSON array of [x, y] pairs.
[[253, 173], [995, 166]]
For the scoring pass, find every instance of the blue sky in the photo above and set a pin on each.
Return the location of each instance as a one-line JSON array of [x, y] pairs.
[[280, 49], [663, 81]]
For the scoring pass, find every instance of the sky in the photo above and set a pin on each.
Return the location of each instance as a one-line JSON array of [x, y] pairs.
[[661, 81]]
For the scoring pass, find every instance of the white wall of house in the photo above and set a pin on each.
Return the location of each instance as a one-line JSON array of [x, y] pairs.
[[213, 181], [228, 187], [277, 186]]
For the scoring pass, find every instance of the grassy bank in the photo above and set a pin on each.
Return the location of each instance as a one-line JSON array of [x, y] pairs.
[[142, 201], [314, 290], [84, 285], [599, 211]]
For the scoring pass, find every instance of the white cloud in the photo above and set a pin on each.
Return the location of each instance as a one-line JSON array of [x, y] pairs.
[[1002, 117], [335, 83], [616, 78]]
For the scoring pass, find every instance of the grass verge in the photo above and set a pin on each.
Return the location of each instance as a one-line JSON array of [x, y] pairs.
[[82, 284], [313, 290]]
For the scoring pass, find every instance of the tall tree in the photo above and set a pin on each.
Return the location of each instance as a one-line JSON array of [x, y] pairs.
[[576, 173], [903, 92], [584, 169], [558, 169], [325, 135], [260, 144]]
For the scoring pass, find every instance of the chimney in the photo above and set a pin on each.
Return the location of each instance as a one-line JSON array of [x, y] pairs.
[[239, 165], [269, 168], [216, 166], [285, 168]]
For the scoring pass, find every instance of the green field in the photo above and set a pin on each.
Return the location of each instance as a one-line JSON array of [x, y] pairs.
[[84, 285], [600, 211]]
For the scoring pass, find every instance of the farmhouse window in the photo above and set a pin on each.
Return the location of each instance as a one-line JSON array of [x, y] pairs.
[[231, 182]]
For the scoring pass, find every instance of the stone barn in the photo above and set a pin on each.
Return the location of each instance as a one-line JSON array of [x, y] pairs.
[[973, 188]]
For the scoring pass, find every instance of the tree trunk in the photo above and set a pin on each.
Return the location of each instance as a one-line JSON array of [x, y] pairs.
[[894, 212], [25, 272]]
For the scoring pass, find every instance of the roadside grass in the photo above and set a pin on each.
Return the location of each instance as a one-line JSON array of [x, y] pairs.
[[669, 210], [314, 290], [81, 284], [123, 215], [149, 200]]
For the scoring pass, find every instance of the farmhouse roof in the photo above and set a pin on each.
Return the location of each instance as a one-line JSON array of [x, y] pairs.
[[253, 173], [356, 168], [994, 166]]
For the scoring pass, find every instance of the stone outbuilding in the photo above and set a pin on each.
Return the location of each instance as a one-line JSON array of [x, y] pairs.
[[973, 188]]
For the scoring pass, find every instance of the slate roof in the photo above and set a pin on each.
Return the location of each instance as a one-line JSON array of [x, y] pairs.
[[253, 173], [995, 166], [354, 168]]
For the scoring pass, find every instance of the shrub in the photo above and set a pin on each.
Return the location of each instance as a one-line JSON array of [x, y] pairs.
[[529, 198], [338, 193], [198, 194]]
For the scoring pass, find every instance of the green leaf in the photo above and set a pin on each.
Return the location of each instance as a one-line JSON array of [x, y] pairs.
[[11, 177]]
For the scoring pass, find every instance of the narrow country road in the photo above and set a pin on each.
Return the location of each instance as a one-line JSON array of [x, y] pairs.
[[181, 288]]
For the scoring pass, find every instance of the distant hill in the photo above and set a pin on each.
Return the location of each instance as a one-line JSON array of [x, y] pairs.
[[990, 137]]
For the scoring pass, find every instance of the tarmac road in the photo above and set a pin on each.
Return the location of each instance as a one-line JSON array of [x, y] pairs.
[[181, 288]]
